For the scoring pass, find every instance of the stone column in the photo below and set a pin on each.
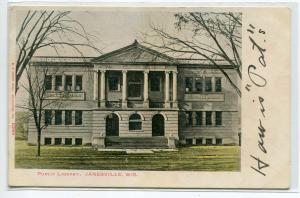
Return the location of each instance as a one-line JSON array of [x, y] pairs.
[[213, 118], [167, 92], [96, 85], [175, 105], [203, 118], [213, 85], [53, 83], [102, 95], [63, 84], [146, 94], [124, 89], [73, 82]]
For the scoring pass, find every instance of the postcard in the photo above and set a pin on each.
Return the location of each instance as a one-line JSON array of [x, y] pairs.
[[149, 96]]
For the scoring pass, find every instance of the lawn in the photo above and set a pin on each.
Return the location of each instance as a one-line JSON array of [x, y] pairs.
[[196, 158]]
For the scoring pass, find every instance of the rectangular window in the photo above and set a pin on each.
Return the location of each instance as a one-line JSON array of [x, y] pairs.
[[114, 83], [208, 120], [189, 141], [48, 82], [57, 141], [48, 117], [199, 84], [78, 141], [78, 83], [58, 117], [155, 83], [199, 118], [68, 141], [78, 117], [198, 141], [135, 126], [218, 118], [68, 117], [189, 118], [219, 141], [209, 141], [58, 83], [134, 85], [68, 83], [218, 84], [208, 84], [48, 141], [188, 84]]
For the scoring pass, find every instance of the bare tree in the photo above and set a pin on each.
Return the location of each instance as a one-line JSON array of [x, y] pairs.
[[53, 29], [39, 101], [214, 37]]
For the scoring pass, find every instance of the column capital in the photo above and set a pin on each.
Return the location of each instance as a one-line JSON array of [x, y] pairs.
[[146, 71], [175, 72], [124, 71], [102, 71], [167, 72]]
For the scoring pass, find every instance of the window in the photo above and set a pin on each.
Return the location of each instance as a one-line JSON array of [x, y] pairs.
[[68, 117], [68, 83], [189, 118], [198, 141], [208, 85], [135, 122], [199, 118], [78, 141], [57, 141], [188, 84], [78, 117], [218, 84], [219, 141], [199, 84], [68, 141], [48, 82], [58, 117], [189, 141], [48, 141], [134, 85], [218, 118], [48, 117], [155, 83], [114, 83], [209, 141], [58, 83], [208, 120], [78, 83]]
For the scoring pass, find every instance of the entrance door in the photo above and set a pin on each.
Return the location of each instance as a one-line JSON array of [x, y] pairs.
[[158, 125], [112, 125]]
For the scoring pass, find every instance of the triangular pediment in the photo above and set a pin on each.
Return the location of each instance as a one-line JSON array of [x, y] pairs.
[[134, 53]]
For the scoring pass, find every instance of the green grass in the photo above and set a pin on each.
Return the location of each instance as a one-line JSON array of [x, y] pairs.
[[196, 158]]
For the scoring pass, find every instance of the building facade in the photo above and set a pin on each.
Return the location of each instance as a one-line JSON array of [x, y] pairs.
[[137, 97]]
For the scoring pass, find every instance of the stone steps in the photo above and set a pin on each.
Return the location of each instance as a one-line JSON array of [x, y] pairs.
[[136, 142]]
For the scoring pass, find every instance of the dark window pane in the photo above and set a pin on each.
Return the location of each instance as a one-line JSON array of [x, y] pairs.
[[189, 118], [48, 117], [48, 141], [135, 117], [78, 117], [218, 84], [58, 117], [209, 141], [199, 141], [78, 83], [135, 122], [208, 118], [208, 85], [68, 141], [57, 141], [155, 84], [58, 83], [189, 141], [134, 90], [48, 82], [78, 141], [219, 141], [188, 84], [218, 118], [199, 84], [199, 118], [68, 83], [113, 83], [68, 117]]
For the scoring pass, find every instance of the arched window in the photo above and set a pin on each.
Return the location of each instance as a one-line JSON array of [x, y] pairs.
[[135, 122]]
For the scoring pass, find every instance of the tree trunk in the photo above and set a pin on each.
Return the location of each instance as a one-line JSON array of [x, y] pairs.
[[38, 144]]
